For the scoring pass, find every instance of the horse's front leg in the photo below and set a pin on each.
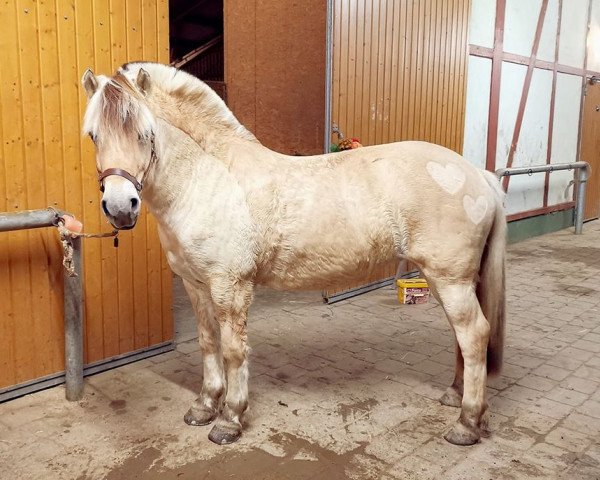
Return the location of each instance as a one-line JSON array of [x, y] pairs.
[[234, 344], [206, 407]]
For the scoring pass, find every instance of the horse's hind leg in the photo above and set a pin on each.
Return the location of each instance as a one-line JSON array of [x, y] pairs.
[[206, 407], [234, 344], [472, 333], [453, 395]]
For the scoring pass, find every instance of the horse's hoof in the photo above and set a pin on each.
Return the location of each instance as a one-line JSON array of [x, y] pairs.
[[199, 416], [462, 435], [225, 434], [451, 398]]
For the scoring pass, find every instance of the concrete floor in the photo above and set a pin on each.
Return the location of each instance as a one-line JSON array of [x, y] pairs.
[[348, 391]]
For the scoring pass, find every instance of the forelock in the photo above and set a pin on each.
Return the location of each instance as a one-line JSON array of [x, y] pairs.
[[116, 108]]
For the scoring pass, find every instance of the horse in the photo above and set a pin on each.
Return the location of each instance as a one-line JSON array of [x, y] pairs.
[[233, 214]]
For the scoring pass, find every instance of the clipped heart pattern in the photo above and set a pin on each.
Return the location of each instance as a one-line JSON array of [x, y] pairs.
[[476, 209], [450, 177]]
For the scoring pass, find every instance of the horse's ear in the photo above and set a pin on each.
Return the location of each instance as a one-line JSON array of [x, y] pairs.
[[89, 82], [143, 81]]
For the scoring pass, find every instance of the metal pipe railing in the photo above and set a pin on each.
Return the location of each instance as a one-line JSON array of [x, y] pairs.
[[73, 294], [582, 174]]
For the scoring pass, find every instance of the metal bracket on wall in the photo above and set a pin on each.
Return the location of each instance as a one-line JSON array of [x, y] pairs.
[[582, 174]]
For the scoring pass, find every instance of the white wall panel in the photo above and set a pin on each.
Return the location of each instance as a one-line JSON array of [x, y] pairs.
[[547, 47], [520, 24], [573, 31], [481, 24], [594, 40], [524, 193], [477, 110], [510, 93], [564, 135]]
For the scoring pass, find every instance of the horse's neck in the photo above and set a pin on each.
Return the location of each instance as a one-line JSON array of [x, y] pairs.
[[210, 125], [181, 168]]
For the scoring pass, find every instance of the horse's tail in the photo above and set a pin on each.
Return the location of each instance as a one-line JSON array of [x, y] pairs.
[[491, 285]]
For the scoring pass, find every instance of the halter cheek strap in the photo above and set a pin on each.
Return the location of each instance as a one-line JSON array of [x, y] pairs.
[[121, 173]]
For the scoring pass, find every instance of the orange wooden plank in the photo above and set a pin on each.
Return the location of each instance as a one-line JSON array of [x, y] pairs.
[[124, 27], [135, 51], [86, 57], [34, 184], [149, 31], [7, 325], [165, 271], [153, 256], [364, 105], [53, 184], [162, 25], [16, 195], [109, 269]]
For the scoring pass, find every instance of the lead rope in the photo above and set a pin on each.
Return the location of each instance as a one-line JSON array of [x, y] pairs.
[[66, 239]]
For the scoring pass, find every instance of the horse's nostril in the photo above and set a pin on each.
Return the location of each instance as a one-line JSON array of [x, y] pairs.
[[134, 203], [104, 208]]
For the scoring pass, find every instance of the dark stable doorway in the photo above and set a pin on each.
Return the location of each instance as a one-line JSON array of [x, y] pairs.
[[196, 40]]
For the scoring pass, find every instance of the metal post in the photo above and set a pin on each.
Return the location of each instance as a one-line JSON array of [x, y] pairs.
[[27, 219], [73, 303], [328, 74], [581, 182], [73, 295]]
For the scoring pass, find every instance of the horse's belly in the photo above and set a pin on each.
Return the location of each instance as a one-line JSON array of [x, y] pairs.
[[325, 266]]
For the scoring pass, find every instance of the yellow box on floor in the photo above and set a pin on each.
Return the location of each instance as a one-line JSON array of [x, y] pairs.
[[413, 290]]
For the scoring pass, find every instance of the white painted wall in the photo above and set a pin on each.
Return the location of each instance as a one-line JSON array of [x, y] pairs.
[[526, 192], [594, 38], [477, 110], [481, 23], [547, 48], [564, 135], [573, 30], [519, 28]]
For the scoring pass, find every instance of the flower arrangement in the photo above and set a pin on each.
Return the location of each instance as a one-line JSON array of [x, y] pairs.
[[343, 143]]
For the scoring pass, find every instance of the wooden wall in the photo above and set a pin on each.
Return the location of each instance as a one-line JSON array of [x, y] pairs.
[[275, 71], [399, 73], [46, 45], [399, 70]]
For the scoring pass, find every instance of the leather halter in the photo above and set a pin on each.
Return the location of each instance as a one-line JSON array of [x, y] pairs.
[[121, 173], [128, 176]]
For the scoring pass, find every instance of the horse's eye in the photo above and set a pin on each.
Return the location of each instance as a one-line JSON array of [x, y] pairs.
[[93, 137]]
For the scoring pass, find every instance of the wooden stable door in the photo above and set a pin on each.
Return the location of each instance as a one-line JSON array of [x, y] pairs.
[[590, 148]]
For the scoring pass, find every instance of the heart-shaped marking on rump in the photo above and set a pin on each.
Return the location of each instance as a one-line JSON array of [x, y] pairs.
[[451, 178], [476, 209]]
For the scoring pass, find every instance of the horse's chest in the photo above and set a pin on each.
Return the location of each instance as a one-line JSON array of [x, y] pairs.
[[177, 257]]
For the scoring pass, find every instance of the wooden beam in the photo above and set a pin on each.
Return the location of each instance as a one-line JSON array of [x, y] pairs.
[[525, 92], [492, 134], [540, 211], [552, 105], [485, 52]]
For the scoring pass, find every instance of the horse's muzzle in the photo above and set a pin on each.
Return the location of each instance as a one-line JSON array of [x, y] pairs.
[[121, 215], [123, 222], [119, 225]]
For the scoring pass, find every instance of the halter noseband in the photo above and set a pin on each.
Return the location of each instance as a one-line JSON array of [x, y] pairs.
[[128, 176], [121, 173]]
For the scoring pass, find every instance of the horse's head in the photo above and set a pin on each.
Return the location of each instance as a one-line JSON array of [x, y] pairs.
[[122, 129]]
